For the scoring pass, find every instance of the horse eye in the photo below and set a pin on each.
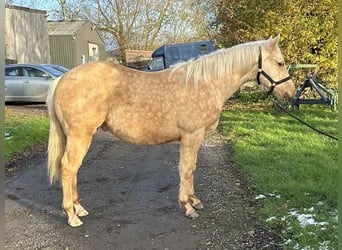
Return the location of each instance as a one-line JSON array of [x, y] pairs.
[[281, 64]]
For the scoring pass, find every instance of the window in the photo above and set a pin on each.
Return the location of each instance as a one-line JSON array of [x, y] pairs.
[[13, 71], [204, 49], [157, 63], [51, 70], [93, 51], [32, 72]]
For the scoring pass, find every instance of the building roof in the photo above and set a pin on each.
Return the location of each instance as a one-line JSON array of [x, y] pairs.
[[69, 27], [16, 7]]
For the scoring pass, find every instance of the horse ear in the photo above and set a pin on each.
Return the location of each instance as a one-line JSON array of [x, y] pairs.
[[273, 42], [277, 37]]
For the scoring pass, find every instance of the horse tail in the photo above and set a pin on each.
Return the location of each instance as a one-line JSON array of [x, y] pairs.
[[56, 145]]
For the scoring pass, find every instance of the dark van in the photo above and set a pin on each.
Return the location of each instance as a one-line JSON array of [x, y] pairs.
[[167, 55]]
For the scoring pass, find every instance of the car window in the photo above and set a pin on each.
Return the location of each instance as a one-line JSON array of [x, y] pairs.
[[52, 71], [13, 71], [56, 67], [33, 72]]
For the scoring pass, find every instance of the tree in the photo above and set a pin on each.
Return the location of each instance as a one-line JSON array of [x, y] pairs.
[[143, 24], [187, 20], [308, 29], [62, 3], [69, 10]]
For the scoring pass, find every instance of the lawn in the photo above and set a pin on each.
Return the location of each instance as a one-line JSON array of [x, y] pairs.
[[23, 131], [294, 169]]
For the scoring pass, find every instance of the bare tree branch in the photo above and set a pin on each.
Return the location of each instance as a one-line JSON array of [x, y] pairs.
[[140, 24]]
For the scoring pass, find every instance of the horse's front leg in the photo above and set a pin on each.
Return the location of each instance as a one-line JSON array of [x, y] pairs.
[[190, 143]]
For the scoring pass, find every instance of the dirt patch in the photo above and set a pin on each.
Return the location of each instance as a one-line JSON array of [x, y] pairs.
[[29, 156], [28, 109]]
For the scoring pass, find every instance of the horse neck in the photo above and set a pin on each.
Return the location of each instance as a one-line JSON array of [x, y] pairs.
[[229, 84]]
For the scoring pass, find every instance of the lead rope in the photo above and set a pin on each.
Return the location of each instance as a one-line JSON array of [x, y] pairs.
[[303, 122]]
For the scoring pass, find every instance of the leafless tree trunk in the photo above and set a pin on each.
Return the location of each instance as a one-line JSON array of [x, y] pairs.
[[62, 3], [70, 10], [133, 24]]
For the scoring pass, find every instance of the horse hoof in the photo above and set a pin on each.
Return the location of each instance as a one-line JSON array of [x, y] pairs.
[[193, 214], [199, 206], [80, 211], [75, 221]]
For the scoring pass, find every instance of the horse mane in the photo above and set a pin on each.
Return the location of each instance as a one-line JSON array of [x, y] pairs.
[[221, 62]]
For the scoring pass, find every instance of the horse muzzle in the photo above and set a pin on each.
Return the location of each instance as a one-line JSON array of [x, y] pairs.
[[284, 92]]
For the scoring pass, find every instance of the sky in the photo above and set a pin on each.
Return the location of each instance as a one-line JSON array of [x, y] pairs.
[[49, 5], [38, 4]]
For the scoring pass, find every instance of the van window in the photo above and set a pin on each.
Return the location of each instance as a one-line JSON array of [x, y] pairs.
[[204, 49], [157, 63]]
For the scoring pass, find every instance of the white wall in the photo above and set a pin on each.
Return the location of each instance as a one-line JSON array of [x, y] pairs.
[[26, 35]]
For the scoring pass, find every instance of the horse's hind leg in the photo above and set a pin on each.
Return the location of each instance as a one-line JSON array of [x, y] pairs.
[[79, 210], [76, 148], [190, 144]]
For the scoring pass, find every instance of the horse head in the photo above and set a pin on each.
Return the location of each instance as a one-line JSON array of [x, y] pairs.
[[272, 73]]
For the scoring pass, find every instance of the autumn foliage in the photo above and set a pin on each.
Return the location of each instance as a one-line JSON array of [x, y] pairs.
[[308, 29]]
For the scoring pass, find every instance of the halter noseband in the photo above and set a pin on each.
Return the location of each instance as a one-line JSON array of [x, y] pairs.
[[267, 76]]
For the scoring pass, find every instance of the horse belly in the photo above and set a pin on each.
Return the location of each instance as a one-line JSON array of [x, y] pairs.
[[144, 128]]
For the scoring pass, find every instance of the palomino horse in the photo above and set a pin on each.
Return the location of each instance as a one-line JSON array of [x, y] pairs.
[[179, 104]]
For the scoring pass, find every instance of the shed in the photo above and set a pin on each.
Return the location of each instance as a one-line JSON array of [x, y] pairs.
[[74, 42], [26, 35]]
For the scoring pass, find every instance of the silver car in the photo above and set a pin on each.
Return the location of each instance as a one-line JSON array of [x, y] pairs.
[[28, 82]]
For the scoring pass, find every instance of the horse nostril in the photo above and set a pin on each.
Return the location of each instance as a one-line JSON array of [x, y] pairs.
[[287, 95], [290, 95]]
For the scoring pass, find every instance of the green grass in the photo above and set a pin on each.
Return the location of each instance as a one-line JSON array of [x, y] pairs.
[[23, 131], [294, 168]]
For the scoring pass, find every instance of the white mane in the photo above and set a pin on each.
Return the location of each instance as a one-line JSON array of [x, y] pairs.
[[222, 62]]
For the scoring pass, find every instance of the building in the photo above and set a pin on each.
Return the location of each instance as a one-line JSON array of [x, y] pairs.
[[26, 35], [74, 42]]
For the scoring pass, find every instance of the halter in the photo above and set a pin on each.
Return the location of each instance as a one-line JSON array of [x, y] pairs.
[[267, 76]]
